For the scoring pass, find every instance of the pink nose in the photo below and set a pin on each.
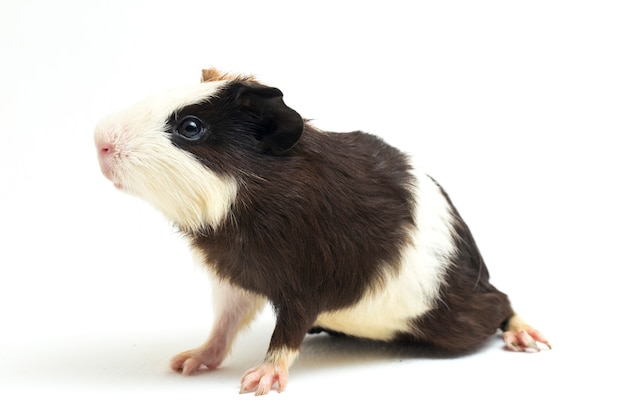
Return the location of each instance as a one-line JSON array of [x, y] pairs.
[[105, 151]]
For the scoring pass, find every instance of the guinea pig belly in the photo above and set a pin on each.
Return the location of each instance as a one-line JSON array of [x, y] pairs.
[[412, 289]]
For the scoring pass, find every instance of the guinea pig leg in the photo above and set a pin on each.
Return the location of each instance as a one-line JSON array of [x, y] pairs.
[[283, 350], [274, 370], [234, 309], [521, 337]]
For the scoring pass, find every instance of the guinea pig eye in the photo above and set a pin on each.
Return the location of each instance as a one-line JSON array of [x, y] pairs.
[[191, 128]]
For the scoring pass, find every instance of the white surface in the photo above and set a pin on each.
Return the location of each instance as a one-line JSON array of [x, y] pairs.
[[518, 110]]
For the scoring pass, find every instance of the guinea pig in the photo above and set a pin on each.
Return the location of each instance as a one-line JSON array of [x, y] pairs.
[[339, 232]]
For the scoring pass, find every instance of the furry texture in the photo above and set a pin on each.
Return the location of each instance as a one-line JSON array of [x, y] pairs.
[[338, 231], [136, 153]]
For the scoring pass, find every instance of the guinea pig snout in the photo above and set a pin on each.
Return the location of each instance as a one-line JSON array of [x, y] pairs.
[[104, 158], [107, 150]]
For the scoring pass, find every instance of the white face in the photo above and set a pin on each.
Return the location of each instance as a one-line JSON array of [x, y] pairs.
[[136, 154]]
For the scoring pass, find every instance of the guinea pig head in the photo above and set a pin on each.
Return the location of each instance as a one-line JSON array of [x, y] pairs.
[[185, 151]]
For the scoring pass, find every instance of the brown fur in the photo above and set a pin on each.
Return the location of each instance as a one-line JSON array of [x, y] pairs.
[[213, 74], [314, 225]]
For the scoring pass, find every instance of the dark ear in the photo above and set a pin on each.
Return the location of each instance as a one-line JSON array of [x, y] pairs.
[[277, 126]]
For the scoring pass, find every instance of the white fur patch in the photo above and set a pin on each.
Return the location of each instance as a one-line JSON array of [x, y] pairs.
[[410, 291], [143, 161], [236, 304], [235, 308]]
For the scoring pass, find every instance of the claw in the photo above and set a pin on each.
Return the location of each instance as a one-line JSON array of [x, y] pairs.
[[528, 341], [536, 334]]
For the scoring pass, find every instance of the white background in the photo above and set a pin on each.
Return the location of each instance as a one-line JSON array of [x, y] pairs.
[[517, 108]]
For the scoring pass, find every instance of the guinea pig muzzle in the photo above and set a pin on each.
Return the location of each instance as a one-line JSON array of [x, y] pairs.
[[106, 152]]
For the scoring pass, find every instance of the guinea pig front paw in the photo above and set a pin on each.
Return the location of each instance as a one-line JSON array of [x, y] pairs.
[[191, 360], [262, 378]]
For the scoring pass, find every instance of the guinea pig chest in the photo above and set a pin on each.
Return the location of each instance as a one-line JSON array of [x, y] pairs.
[[339, 232]]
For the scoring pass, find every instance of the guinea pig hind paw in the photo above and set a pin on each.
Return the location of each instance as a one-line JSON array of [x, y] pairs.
[[262, 378], [524, 340]]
